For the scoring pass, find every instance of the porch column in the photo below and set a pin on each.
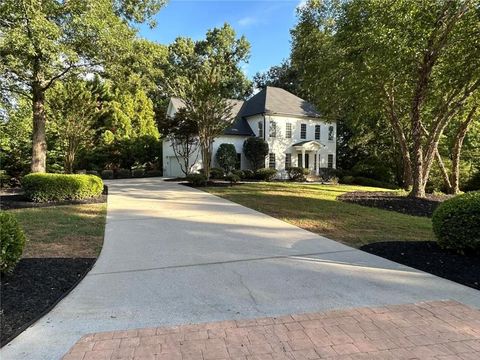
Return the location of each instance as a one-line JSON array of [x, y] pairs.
[[317, 170], [303, 157]]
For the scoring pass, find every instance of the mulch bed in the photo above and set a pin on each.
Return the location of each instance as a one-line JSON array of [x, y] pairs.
[[33, 288], [429, 257], [16, 200], [395, 202]]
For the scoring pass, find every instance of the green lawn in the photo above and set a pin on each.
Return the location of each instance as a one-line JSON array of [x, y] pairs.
[[314, 207], [71, 231]]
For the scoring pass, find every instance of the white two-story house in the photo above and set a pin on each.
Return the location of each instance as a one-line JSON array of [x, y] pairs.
[[293, 128]]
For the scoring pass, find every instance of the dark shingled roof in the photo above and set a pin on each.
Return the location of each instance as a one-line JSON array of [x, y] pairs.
[[272, 100]]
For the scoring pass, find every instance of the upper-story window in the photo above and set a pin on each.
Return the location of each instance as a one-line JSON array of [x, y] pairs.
[[273, 129], [317, 132], [260, 129], [331, 133], [288, 131], [303, 131]]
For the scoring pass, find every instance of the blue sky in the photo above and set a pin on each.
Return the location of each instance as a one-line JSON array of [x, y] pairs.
[[265, 23]]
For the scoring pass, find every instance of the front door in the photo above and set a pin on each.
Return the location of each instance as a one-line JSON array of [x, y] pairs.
[[300, 162]]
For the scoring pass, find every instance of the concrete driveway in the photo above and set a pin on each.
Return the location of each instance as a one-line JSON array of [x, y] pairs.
[[176, 255]]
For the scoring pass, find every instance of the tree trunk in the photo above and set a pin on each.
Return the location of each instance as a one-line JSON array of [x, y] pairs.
[[39, 143], [457, 148], [446, 178]]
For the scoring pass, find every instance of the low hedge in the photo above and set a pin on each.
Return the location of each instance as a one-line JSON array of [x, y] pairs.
[[106, 174], [265, 174], [12, 242], [41, 187], [456, 223], [233, 178], [248, 174]]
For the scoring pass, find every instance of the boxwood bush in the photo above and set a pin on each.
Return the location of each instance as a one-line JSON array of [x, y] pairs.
[[197, 179], [248, 174], [217, 173], [232, 178], [456, 223], [107, 174], [12, 241], [265, 174], [41, 187]]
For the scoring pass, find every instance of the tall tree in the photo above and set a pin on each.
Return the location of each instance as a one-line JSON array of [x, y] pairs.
[[283, 76], [41, 41], [205, 74], [419, 79], [72, 108]]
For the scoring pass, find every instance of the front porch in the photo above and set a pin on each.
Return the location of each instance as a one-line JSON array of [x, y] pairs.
[[308, 155]]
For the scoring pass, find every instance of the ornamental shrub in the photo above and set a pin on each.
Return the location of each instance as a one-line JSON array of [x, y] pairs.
[[12, 241], [347, 180], [255, 150], [297, 173], [41, 187], [217, 173], [239, 173], [226, 157], [107, 174], [197, 179], [153, 173], [249, 174], [456, 223], [123, 174], [139, 172], [265, 174], [232, 178]]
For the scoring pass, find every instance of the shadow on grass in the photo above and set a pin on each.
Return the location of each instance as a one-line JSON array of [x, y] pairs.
[[34, 287], [429, 257]]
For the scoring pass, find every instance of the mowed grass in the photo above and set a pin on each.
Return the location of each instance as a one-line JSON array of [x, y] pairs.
[[70, 231], [314, 207]]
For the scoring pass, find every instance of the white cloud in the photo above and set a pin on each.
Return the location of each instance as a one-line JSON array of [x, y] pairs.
[[247, 21]]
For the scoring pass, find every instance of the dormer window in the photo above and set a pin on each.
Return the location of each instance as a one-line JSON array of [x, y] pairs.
[[273, 129], [303, 131], [260, 129]]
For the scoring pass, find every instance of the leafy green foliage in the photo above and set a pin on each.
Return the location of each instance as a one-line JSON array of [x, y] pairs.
[[12, 242], [197, 179], [249, 174], [255, 150], [265, 174], [217, 173], [283, 76], [123, 174], [58, 187], [297, 173], [364, 181], [239, 173], [456, 223], [106, 174], [226, 157], [232, 178]]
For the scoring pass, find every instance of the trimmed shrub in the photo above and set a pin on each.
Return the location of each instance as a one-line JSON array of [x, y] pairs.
[[239, 173], [347, 180], [152, 173], [197, 179], [226, 156], [41, 187], [107, 174], [92, 172], [140, 172], [232, 178], [217, 173], [328, 175], [265, 174], [255, 150], [123, 174], [12, 241], [297, 173], [249, 174], [456, 223]]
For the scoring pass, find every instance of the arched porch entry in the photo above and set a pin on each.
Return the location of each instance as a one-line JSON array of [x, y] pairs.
[[308, 154]]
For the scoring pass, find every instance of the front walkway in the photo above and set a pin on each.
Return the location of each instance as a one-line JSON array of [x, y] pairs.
[[175, 255], [431, 330]]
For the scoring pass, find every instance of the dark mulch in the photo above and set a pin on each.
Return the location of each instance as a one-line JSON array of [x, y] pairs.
[[429, 257], [395, 202], [33, 288], [16, 200]]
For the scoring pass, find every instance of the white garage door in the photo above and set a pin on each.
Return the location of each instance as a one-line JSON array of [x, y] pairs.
[[174, 169]]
